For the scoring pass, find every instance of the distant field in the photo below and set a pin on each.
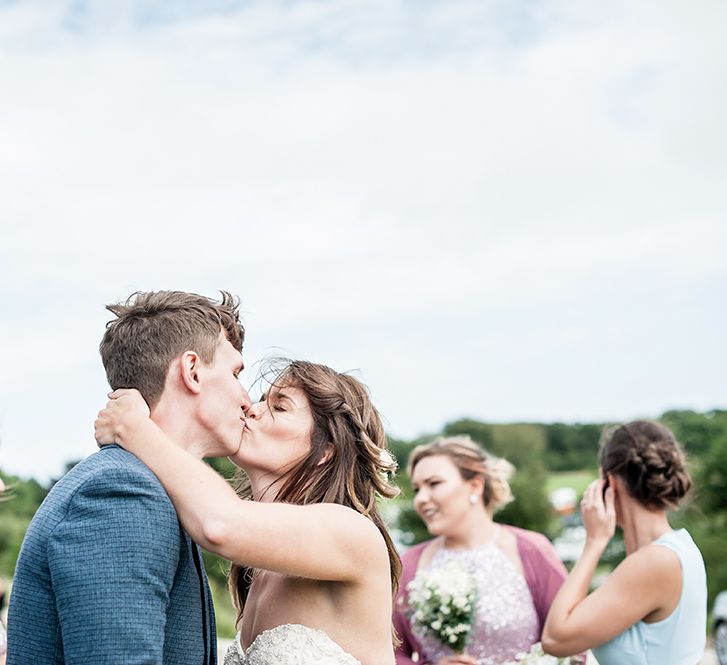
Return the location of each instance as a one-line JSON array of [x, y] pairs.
[[578, 480]]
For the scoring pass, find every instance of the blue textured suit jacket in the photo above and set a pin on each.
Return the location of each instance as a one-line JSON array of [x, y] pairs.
[[106, 574]]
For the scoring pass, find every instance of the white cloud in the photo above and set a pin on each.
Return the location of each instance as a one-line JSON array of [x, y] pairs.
[[492, 209]]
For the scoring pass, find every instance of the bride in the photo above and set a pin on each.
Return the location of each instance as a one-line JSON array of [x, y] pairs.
[[313, 567]]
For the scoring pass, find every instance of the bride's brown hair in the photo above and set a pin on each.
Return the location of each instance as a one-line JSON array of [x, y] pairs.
[[358, 465]]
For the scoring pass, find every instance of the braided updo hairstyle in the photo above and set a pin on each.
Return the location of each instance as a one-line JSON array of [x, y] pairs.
[[345, 423], [650, 461], [471, 461]]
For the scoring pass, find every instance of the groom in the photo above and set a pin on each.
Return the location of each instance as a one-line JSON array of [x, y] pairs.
[[106, 574]]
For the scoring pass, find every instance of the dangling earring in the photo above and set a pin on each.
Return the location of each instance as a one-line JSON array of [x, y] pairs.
[[473, 499]]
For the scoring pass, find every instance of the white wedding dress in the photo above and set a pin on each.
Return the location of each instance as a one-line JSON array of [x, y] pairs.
[[289, 644]]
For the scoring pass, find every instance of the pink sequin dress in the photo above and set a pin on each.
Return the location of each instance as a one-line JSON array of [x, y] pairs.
[[506, 622]]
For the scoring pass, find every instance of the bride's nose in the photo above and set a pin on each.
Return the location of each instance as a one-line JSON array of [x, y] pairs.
[[251, 411]]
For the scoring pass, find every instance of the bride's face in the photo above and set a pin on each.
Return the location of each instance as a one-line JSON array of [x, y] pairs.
[[277, 433]]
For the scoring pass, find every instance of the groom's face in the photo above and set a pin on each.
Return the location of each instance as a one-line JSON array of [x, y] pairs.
[[223, 400]]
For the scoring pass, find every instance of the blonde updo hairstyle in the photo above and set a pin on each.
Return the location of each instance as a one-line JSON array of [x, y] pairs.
[[648, 459], [472, 461]]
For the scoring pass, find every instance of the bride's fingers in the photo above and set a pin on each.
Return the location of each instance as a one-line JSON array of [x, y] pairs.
[[122, 391], [125, 391], [103, 434], [128, 398]]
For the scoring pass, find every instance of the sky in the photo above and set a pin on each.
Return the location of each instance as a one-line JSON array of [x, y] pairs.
[[509, 211]]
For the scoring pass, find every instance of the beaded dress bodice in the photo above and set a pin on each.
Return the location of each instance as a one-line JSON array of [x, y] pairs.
[[506, 622], [289, 644]]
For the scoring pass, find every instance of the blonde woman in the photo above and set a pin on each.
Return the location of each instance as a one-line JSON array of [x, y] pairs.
[[457, 488]]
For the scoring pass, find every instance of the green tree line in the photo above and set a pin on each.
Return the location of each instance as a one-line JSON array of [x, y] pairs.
[[538, 450], [535, 449]]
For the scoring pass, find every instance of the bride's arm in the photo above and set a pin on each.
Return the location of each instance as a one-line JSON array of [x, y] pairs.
[[318, 541]]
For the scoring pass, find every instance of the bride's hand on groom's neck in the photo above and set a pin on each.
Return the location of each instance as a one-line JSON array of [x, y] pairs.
[[124, 406]]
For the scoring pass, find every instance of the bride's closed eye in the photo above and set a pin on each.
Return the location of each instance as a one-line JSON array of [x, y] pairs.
[[273, 402]]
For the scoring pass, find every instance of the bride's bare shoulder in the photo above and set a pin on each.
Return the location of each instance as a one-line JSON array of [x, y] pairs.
[[361, 533]]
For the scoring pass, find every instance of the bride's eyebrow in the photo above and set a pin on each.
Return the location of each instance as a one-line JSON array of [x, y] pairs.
[[278, 394], [282, 395]]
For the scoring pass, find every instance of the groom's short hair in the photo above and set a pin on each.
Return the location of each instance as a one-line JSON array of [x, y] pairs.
[[153, 328]]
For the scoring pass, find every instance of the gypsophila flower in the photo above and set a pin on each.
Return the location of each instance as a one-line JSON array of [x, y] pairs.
[[443, 603]]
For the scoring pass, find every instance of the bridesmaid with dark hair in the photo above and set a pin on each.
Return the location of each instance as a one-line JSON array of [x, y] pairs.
[[653, 607]]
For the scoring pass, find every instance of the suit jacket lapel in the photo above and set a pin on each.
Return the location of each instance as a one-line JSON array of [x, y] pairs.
[[206, 607]]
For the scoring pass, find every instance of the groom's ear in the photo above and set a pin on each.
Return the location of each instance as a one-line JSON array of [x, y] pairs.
[[189, 367]]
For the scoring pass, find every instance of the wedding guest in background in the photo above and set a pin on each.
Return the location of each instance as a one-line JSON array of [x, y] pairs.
[[457, 488], [653, 607]]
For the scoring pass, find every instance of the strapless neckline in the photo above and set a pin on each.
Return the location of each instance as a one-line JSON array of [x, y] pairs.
[[289, 644]]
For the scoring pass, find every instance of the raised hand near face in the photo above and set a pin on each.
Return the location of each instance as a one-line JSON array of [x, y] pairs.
[[598, 511]]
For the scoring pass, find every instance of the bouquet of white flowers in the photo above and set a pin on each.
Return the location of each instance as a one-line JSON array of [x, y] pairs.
[[536, 656], [443, 603]]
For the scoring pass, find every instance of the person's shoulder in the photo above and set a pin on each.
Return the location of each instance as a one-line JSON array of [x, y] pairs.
[[112, 474], [411, 557], [652, 570], [110, 458], [529, 539], [361, 531], [654, 560], [113, 495], [533, 544], [409, 564], [112, 464]]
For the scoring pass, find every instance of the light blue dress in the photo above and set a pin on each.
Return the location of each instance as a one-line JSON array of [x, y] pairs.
[[680, 638]]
